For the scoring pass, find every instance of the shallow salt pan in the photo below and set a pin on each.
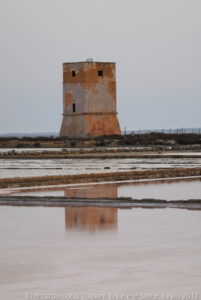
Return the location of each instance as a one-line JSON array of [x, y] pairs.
[[40, 167], [99, 250], [166, 189]]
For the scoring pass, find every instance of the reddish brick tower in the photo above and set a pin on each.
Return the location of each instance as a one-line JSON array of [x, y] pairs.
[[89, 99]]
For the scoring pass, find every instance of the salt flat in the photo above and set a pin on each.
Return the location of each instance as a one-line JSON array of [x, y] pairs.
[[42, 167], [99, 250]]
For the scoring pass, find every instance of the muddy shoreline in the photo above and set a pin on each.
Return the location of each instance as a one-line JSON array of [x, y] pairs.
[[103, 154], [103, 202], [98, 177]]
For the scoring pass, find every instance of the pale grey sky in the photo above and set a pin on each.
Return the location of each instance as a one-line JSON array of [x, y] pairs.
[[155, 43]]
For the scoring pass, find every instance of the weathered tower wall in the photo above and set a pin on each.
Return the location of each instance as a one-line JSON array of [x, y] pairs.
[[89, 100]]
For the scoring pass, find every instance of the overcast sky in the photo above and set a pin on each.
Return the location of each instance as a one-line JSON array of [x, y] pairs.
[[155, 43]]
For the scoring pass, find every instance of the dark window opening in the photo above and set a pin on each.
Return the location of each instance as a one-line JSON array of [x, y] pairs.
[[73, 73], [74, 107], [100, 72]]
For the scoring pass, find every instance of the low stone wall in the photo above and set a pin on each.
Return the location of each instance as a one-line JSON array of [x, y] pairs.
[[101, 177]]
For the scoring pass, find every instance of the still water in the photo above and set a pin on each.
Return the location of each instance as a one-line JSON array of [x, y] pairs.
[[43, 167], [91, 250], [166, 189]]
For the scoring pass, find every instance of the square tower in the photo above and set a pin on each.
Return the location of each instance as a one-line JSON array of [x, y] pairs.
[[89, 99]]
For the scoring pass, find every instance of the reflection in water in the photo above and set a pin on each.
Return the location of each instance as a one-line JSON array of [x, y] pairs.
[[158, 256], [91, 218], [92, 191], [115, 189]]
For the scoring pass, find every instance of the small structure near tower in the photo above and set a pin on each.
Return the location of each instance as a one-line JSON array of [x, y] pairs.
[[89, 99]]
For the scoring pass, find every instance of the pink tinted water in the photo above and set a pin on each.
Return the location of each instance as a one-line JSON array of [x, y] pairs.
[[171, 189], [48, 250]]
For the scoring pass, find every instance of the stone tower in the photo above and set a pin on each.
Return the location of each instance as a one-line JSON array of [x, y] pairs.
[[89, 99]]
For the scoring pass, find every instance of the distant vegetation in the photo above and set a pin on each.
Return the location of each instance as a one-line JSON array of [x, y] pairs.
[[148, 139]]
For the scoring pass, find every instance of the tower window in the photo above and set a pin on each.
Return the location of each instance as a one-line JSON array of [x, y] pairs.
[[100, 72], [74, 107], [73, 73]]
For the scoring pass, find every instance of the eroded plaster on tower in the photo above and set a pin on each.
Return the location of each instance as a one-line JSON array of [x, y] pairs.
[[89, 99]]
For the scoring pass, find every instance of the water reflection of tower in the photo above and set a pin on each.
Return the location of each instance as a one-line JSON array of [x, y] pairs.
[[91, 218]]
